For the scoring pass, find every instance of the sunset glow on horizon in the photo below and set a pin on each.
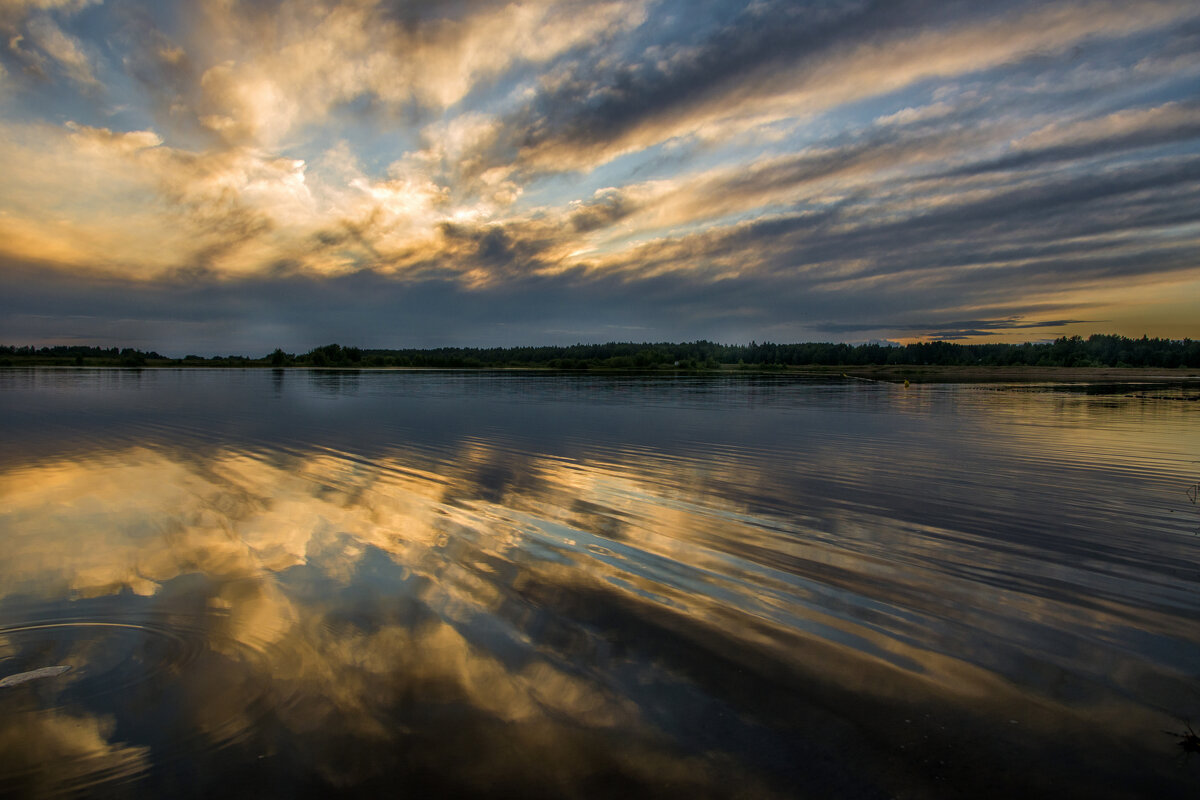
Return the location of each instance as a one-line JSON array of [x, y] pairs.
[[237, 175]]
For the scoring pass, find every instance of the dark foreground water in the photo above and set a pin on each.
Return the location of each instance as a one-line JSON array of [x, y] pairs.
[[248, 584]]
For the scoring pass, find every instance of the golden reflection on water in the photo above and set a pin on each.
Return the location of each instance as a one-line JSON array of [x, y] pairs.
[[66, 750], [343, 598], [133, 521]]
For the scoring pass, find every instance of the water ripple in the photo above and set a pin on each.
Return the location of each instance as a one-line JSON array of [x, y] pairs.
[[350, 575]]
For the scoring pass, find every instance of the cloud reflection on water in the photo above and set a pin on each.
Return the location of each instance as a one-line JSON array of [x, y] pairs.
[[667, 621], [357, 589]]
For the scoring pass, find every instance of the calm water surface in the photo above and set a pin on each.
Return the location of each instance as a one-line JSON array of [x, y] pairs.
[[305, 583]]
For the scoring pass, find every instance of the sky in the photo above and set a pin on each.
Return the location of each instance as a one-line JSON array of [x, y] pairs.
[[232, 176]]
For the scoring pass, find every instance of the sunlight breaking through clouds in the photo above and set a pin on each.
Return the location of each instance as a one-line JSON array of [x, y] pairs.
[[481, 172]]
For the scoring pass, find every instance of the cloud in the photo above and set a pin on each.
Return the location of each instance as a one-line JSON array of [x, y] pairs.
[[66, 50], [33, 39], [909, 115], [968, 329], [771, 167], [281, 71], [1178, 121], [18, 7], [791, 62]]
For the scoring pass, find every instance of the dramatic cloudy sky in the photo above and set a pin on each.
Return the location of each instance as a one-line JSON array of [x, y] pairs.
[[236, 175]]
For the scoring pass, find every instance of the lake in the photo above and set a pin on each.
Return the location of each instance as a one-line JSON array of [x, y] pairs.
[[420, 583]]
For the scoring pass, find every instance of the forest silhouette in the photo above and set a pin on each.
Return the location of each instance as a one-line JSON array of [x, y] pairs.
[[1097, 350]]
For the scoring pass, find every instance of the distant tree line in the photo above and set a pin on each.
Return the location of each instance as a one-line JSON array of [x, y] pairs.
[[1098, 350], [77, 355]]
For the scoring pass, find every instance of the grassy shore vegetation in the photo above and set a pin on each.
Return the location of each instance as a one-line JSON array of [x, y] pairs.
[[1096, 351]]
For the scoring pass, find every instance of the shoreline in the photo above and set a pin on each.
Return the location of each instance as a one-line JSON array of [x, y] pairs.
[[990, 374], [885, 373]]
